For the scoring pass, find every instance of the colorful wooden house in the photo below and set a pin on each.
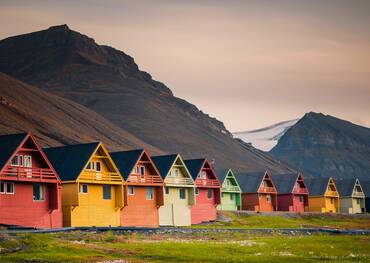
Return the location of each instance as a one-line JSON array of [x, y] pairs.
[[323, 196], [143, 189], [178, 192], [351, 196], [30, 192], [92, 186], [230, 191], [207, 191], [258, 192], [292, 192]]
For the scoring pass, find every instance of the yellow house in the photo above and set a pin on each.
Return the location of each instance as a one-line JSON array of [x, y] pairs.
[[92, 186], [323, 195]]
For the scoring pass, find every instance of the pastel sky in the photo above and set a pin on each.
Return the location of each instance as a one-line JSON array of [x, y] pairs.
[[247, 63]]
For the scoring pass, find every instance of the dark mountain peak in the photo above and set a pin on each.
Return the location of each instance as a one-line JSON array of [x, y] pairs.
[[63, 27]]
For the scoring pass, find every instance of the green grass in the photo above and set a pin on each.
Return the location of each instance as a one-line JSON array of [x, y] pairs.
[[183, 247], [290, 221]]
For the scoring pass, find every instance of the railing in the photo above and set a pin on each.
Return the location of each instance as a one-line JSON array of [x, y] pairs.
[[301, 190], [331, 193], [28, 173], [93, 176], [266, 189], [207, 182], [179, 181], [147, 179], [231, 188], [358, 194]]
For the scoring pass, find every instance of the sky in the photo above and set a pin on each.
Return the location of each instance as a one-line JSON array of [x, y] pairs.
[[248, 63]]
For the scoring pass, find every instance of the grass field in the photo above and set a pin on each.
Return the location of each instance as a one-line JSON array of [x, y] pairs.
[[290, 220], [183, 247]]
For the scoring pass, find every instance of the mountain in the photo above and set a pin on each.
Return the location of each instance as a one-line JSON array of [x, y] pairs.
[[55, 120], [108, 81], [322, 145], [265, 138]]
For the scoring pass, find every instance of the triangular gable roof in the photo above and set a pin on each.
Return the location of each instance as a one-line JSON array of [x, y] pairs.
[[164, 163], [70, 160], [345, 187], [366, 187], [317, 186], [250, 182], [223, 173], [285, 183], [9, 144], [126, 160]]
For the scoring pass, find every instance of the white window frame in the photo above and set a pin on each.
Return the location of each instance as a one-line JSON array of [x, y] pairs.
[[268, 199], [151, 193], [81, 189], [16, 164], [184, 193], [110, 192], [29, 158], [203, 175], [90, 166], [6, 188], [131, 192], [96, 166], [42, 191]]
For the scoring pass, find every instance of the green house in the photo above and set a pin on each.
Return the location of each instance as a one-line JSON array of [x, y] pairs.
[[230, 191]]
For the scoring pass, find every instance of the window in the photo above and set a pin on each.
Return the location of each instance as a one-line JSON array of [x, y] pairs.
[[9, 188], [196, 191], [222, 195], [27, 161], [268, 198], [107, 192], [2, 188], [175, 172], [131, 190], [167, 190], [38, 192], [149, 193], [90, 166], [209, 193], [98, 166], [357, 201], [231, 197], [182, 193], [142, 170], [15, 160], [331, 200], [301, 199], [203, 175], [84, 189]]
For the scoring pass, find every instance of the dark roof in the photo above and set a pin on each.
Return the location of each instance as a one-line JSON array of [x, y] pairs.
[[345, 186], [8, 145], [366, 187], [126, 160], [284, 183], [250, 182], [317, 185], [164, 163], [70, 160], [222, 173], [194, 166]]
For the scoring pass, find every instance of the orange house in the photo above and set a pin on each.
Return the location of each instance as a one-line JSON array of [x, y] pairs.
[[258, 192], [143, 189]]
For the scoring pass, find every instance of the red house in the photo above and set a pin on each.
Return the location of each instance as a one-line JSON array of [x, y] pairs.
[[30, 192], [258, 192], [143, 188], [207, 192], [292, 192]]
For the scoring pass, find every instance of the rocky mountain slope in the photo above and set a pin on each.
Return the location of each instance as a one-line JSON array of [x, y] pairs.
[[265, 138], [55, 120], [109, 82], [322, 145]]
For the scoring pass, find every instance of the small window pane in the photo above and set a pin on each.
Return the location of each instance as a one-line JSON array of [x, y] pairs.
[[222, 195], [15, 161], [149, 193], [167, 190], [98, 166], [268, 198], [84, 188], [209, 193], [182, 193], [142, 170], [131, 190], [231, 197], [9, 188], [196, 191], [2, 187], [38, 192], [27, 161], [107, 192]]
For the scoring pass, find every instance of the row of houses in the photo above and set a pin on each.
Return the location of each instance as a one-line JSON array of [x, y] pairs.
[[85, 185]]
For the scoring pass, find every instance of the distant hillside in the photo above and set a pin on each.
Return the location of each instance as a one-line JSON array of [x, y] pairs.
[[55, 120], [323, 145], [109, 82], [265, 138]]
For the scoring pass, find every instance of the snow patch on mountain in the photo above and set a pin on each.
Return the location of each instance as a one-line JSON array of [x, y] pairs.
[[265, 138]]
